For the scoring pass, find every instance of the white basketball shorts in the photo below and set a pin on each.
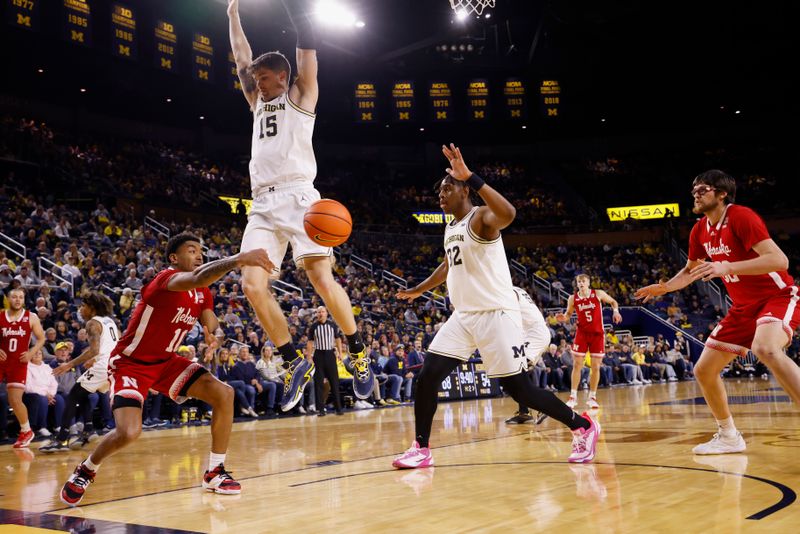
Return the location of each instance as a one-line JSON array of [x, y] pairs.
[[95, 379], [496, 334], [276, 220]]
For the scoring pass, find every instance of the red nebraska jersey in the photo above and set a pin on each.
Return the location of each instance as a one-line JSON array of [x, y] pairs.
[[730, 240], [590, 312], [162, 319], [15, 336]]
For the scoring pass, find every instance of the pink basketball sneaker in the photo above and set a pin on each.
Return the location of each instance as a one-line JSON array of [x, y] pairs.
[[584, 442], [414, 457]]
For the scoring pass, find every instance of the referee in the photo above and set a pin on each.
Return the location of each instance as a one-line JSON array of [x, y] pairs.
[[323, 336]]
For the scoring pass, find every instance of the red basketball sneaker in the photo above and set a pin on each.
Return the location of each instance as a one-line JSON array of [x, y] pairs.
[[24, 439], [220, 481], [75, 487]]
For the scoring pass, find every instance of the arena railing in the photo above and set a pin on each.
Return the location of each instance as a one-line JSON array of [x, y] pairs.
[[13, 246], [286, 287], [157, 227], [52, 268]]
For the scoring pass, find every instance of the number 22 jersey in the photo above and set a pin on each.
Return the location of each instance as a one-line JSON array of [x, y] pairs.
[[162, 319]]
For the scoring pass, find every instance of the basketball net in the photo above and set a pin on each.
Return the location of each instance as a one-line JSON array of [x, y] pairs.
[[471, 6]]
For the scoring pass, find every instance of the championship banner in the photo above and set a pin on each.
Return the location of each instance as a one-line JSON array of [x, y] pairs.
[[550, 93], [23, 14], [78, 22], [514, 99], [366, 97], [166, 46], [123, 32], [233, 75], [202, 58], [478, 97], [650, 211], [441, 97], [403, 101]]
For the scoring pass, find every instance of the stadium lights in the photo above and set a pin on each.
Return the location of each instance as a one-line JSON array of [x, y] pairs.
[[333, 13], [40, 71], [461, 15], [169, 100], [738, 112], [202, 117], [487, 16], [83, 90]]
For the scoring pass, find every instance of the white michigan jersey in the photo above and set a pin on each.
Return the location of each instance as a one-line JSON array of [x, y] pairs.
[[108, 340], [478, 277], [282, 152], [534, 329]]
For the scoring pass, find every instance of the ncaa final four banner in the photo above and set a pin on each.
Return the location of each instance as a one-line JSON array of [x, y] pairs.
[[478, 98], [78, 22], [441, 97], [23, 14], [123, 32], [366, 102], [403, 101], [514, 99]]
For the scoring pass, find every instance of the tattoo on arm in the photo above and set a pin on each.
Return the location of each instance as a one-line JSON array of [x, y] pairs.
[[214, 270], [248, 83]]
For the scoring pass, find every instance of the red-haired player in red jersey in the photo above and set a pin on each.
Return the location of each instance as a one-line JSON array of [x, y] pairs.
[[589, 335], [764, 312], [16, 325], [145, 358]]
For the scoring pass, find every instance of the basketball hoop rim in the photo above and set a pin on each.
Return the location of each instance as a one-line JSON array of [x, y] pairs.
[[471, 6]]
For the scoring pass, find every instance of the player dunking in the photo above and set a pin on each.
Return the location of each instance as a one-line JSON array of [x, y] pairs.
[[145, 358], [486, 317], [764, 314], [16, 326], [103, 336], [589, 335], [282, 172]]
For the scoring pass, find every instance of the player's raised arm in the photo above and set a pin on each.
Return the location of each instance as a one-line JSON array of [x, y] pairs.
[[94, 331], [437, 278], [210, 272], [242, 53], [305, 90], [498, 212]]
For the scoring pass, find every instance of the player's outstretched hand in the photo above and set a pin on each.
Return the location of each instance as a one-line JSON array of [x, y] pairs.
[[561, 317], [61, 369], [233, 7], [616, 317], [3, 355], [458, 169], [409, 294], [211, 339], [650, 292], [256, 258], [710, 269]]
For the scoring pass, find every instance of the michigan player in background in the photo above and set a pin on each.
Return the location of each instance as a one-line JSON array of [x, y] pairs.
[[282, 172], [764, 314], [486, 317], [537, 339], [103, 336], [590, 336], [16, 326]]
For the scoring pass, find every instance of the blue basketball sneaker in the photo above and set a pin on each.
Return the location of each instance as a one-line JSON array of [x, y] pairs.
[[363, 378], [298, 374]]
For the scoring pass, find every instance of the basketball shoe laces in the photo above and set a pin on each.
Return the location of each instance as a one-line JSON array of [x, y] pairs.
[[579, 442], [223, 474], [361, 367], [83, 477]]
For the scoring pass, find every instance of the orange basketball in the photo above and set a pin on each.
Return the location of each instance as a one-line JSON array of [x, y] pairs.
[[328, 222]]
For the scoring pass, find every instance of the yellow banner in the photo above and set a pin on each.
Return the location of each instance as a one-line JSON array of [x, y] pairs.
[[652, 211], [233, 202]]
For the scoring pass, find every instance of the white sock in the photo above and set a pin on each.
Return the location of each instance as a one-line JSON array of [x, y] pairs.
[[90, 464], [573, 393], [25, 427], [215, 459], [726, 427], [592, 394]]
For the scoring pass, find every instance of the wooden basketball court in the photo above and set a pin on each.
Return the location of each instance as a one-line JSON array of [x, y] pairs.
[[306, 474]]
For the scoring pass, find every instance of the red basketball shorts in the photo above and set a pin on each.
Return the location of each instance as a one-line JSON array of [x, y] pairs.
[[591, 342], [132, 378]]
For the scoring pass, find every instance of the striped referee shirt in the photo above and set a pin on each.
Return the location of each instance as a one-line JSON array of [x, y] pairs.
[[323, 334]]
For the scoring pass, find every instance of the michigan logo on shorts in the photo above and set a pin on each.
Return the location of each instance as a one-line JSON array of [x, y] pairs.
[[519, 352]]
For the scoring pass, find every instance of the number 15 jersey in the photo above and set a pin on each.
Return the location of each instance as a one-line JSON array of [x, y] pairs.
[[478, 278], [162, 319], [282, 151]]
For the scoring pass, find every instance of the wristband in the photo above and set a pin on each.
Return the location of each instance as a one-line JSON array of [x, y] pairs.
[[475, 182]]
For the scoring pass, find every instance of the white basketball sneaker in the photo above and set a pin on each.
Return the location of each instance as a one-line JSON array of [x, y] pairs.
[[592, 403], [572, 402], [720, 444]]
